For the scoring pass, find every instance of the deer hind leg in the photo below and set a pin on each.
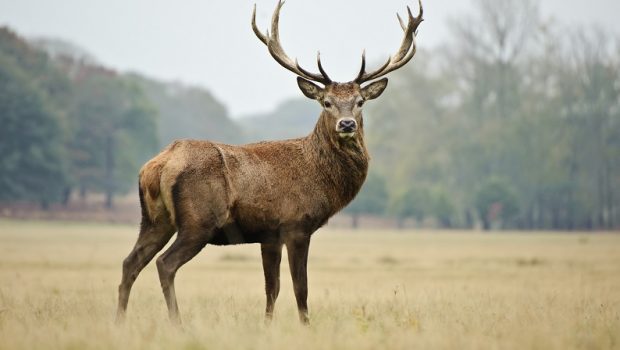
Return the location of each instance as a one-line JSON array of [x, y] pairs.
[[297, 249], [152, 238], [184, 248], [272, 255]]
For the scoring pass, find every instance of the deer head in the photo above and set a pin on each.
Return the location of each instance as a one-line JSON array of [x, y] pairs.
[[342, 102]]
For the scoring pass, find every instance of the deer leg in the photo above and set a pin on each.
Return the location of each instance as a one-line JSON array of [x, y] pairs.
[[181, 251], [298, 261], [272, 255], [152, 238]]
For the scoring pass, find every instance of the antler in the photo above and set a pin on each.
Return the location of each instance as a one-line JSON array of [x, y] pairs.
[[405, 52], [275, 49]]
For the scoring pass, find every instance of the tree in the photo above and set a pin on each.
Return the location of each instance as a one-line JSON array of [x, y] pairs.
[[420, 202], [414, 203], [514, 98], [590, 96], [442, 207], [114, 130], [496, 201], [31, 152], [485, 53]]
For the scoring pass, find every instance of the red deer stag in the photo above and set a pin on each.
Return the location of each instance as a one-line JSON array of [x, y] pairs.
[[273, 193]]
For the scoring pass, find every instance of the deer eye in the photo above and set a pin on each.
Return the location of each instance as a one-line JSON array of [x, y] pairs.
[[327, 104], [360, 103]]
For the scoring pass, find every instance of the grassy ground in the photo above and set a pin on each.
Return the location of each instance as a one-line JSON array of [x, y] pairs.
[[368, 290]]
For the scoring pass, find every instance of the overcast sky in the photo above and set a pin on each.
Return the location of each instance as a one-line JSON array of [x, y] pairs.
[[210, 42]]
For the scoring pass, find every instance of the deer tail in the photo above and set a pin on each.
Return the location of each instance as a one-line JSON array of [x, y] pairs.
[[150, 189]]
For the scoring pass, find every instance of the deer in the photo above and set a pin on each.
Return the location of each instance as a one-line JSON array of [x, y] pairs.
[[275, 193]]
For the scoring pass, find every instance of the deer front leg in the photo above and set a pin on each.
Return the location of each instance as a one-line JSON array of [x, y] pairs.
[[297, 249], [272, 255]]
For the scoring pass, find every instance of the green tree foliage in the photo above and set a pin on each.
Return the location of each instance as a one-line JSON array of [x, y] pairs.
[[421, 202], [442, 207], [32, 124], [512, 98], [414, 203], [31, 151], [589, 95], [371, 199], [496, 201], [114, 130], [509, 97], [67, 123], [38, 69]]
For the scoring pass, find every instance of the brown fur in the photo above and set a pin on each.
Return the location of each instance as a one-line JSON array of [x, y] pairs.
[[263, 188], [274, 193]]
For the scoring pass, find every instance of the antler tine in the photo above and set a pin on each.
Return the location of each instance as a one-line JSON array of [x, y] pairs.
[[318, 62], [363, 68], [405, 52], [400, 20], [261, 36], [325, 78], [277, 52], [362, 76], [420, 14]]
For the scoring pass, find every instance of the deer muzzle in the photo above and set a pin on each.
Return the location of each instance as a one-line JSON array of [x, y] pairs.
[[346, 127]]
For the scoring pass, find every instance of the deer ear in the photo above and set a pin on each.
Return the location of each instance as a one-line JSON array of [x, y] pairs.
[[374, 89], [310, 89]]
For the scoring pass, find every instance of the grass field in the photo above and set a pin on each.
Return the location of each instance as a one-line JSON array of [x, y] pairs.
[[368, 290]]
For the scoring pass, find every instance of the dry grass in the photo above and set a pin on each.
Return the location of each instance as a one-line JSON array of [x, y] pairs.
[[368, 290]]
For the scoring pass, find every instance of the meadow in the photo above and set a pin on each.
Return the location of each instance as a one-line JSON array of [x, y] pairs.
[[368, 290]]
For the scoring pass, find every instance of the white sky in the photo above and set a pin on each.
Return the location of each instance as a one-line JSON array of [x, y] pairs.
[[211, 44]]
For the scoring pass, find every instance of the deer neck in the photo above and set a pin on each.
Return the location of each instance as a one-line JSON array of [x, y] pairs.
[[341, 162]]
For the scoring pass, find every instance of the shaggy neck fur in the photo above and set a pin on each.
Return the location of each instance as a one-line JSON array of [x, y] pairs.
[[341, 162]]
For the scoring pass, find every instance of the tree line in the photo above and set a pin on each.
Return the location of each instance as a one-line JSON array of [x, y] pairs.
[[71, 126], [514, 123]]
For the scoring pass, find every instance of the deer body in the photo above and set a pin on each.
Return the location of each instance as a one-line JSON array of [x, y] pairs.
[[274, 193], [254, 193]]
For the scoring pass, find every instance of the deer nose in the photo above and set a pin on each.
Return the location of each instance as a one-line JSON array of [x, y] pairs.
[[347, 125]]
